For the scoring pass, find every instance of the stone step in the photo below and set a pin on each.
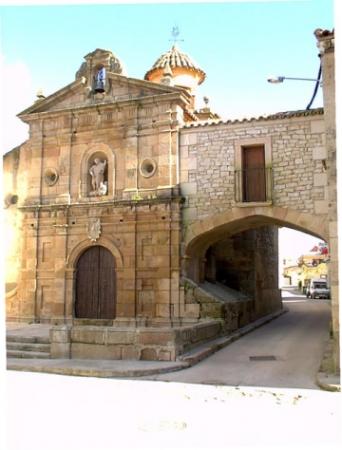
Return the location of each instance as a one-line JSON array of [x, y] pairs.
[[28, 339], [27, 354], [25, 346], [222, 292]]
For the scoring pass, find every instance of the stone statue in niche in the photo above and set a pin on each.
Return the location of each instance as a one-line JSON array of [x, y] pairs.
[[98, 182]]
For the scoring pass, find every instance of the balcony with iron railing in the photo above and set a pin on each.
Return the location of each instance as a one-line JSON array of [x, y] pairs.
[[253, 185]]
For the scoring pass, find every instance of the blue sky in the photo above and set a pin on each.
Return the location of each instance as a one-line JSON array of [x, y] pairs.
[[238, 45]]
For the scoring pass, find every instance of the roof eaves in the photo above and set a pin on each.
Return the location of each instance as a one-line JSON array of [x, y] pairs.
[[191, 114], [276, 116]]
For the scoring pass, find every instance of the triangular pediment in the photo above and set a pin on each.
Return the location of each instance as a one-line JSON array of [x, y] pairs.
[[79, 94]]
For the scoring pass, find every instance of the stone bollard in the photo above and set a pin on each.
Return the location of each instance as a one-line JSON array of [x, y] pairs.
[[60, 338]]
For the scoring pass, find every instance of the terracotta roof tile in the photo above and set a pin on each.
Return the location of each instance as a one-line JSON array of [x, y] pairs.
[[276, 116], [175, 58]]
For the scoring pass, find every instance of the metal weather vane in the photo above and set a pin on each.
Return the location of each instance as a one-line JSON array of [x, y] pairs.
[[175, 33]]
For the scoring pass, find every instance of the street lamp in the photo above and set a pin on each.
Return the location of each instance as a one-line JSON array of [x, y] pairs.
[[280, 79]]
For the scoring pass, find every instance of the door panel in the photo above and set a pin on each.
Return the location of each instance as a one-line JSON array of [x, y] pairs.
[[95, 284], [106, 286], [254, 181]]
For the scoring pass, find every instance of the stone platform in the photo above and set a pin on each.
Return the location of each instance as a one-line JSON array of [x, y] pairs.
[[130, 343], [125, 368]]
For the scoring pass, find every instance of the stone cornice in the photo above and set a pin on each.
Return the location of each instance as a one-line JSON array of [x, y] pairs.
[[28, 116], [325, 40], [159, 89], [114, 203], [51, 98]]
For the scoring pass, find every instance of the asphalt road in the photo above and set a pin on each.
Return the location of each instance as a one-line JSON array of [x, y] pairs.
[[284, 353]]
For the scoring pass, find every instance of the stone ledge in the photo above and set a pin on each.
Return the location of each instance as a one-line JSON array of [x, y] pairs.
[[252, 204]]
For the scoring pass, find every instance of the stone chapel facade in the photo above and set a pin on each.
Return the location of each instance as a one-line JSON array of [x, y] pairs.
[[99, 200]]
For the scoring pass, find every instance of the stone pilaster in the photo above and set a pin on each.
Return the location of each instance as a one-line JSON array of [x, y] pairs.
[[326, 45]]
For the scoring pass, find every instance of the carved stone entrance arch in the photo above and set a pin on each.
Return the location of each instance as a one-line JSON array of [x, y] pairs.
[[83, 245], [95, 284], [71, 266]]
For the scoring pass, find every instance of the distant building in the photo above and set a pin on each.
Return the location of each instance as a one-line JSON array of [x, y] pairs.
[[307, 267]]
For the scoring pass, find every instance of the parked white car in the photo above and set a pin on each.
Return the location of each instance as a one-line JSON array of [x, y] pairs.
[[318, 288]]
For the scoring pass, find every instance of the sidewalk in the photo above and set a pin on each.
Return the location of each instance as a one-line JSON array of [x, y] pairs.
[[95, 368]]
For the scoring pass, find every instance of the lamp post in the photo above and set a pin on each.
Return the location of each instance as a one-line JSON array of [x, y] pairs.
[[280, 79]]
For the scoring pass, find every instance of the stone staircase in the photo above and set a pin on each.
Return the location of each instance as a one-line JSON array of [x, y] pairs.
[[217, 301], [28, 347], [222, 292]]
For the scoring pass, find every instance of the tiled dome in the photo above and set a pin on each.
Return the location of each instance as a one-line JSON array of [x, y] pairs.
[[176, 59]]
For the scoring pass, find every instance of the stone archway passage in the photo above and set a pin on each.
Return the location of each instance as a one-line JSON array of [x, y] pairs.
[[95, 284]]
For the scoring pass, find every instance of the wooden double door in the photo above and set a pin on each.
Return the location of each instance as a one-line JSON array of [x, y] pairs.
[[95, 284]]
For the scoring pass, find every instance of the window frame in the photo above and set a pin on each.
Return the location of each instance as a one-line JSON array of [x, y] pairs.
[[240, 145]]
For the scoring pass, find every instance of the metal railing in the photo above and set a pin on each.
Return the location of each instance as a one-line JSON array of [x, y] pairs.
[[253, 185]]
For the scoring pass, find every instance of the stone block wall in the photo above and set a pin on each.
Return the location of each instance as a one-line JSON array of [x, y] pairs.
[[138, 218], [14, 186], [130, 138], [295, 153], [143, 238]]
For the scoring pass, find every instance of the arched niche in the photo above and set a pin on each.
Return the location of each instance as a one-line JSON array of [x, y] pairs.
[[103, 153], [99, 79]]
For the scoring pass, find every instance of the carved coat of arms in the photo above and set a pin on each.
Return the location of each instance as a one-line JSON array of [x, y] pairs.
[[94, 228]]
